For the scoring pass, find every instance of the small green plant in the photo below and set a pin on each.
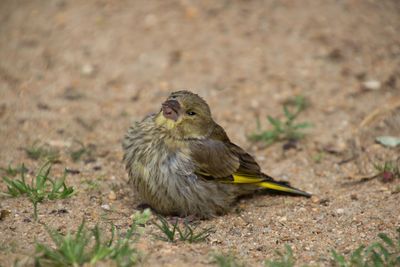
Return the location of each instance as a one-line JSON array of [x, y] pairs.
[[91, 184], [385, 252], [140, 218], [40, 188], [188, 234], [284, 130], [13, 171], [82, 150], [37, 151], [88, 246], [286, 259], [226, 260], [318, 157], [9, 247], [389, 170]]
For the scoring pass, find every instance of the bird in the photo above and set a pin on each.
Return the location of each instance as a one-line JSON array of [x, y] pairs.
[[182, 163]]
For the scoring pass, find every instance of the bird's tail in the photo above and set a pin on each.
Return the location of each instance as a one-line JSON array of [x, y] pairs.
[[268, 182], [282, 187]]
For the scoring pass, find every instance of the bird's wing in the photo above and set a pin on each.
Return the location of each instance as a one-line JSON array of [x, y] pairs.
[[217, 158], [226, 162]]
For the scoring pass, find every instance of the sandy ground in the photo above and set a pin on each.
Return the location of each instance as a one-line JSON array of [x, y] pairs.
[[83, 71]]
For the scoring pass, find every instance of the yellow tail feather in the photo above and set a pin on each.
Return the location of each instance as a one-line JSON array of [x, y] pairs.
[[283, 188], [239, 179]]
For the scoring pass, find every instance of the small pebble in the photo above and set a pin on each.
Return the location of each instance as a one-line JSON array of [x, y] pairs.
[[315, 199], [112, 195], [106, 207], [371, 85], [97, 168], [340, 211], [383, 189], [353, 197], [282, 219], [150, 20], [324, 201], [255, 104], [4, 214], [87, 70]]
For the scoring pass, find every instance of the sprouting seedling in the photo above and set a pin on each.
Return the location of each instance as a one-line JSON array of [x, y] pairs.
[[37, 151], [168, 230], [88, 246], [286, 259], [187, 234], [81, 151], [77, 154], [13, 171], [40, 188], [286, 129], [385, 252], [389, 170], [226, 260]]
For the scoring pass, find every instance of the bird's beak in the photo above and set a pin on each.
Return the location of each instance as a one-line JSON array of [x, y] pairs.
[[170, 109]]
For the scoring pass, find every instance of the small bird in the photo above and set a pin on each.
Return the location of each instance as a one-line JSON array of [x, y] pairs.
[[182, 163]]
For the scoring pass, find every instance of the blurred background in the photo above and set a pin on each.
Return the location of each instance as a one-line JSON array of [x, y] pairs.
[[100, 59], [77, 74]]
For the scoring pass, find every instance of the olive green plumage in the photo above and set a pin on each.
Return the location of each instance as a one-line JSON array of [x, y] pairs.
[[182, 163]]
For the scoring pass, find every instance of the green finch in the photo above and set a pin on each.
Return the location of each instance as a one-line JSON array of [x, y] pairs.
[[181, 162]]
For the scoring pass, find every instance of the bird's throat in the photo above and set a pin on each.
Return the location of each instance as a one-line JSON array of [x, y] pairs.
[[165, 122]]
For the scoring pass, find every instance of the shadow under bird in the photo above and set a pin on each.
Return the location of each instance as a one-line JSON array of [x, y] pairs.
[[181, 162]]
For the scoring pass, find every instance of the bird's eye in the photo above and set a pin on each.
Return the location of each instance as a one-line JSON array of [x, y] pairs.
[[173, 96], [191, 113]]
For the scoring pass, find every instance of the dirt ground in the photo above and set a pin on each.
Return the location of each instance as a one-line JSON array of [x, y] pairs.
[[83, 71]]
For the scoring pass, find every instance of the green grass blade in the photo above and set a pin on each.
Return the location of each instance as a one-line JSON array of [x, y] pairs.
[[15, 187], [165, 229], [339, 259], [303, 125], [275, 122], [290, 116], [223, 260], [87, 247], [386, 239]]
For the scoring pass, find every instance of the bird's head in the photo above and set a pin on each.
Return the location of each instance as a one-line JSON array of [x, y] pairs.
[[186, 115]]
